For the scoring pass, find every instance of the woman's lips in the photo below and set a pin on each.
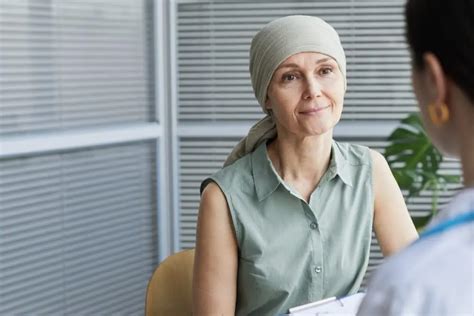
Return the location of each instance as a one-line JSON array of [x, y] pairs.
[[314, 110]]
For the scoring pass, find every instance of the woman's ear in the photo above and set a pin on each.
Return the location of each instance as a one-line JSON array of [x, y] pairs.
[[436, 81]]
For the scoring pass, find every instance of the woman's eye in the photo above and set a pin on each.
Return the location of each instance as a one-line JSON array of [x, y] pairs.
[[326, 71], [289, 77]]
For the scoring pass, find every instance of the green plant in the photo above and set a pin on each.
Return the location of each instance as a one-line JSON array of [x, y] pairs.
[[415, 163]]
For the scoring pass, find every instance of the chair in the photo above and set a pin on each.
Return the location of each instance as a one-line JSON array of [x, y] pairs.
[[169, 290]]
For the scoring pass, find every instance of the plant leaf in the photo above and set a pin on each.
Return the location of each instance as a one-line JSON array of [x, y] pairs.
[[415, 162]]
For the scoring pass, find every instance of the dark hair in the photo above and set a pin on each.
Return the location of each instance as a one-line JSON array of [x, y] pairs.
[[446, 29]]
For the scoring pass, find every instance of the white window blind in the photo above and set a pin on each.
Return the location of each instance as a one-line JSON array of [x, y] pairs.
[[78, 186], [77, 231], [66, 64], [214, 39]]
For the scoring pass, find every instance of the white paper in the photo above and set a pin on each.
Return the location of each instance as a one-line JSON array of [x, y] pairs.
[[346, 306]]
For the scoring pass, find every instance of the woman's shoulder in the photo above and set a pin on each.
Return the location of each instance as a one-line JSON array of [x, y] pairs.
[[354, 154], [239, 168], [236, 175]]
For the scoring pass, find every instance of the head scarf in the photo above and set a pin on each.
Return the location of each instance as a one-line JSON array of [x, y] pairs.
[[272, 45]]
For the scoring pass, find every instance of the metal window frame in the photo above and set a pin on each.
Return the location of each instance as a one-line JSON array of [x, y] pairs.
[[51, 142], [166, 104]]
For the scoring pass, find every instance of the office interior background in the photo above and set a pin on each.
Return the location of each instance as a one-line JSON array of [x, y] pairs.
[[113, 111]]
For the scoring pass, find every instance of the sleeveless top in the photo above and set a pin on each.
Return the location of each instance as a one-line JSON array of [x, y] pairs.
[[292, 252]]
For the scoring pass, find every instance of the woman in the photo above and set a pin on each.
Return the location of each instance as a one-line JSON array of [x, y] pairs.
[[435, 275], [289, 220]]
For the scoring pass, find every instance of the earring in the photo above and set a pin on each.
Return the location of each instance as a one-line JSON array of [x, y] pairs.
[[439, 114]]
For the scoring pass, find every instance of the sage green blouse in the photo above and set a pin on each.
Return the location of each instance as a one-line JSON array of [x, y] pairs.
[[292, 252]]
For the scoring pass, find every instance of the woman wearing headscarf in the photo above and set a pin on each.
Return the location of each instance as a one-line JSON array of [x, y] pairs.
[[289, 219], [435, 275]]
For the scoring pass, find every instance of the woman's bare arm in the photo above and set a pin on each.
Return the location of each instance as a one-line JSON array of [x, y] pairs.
[[215, 262], [392, 223]]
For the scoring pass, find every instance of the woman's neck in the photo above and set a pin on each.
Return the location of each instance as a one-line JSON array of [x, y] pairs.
[[464, 122], [301, 162]]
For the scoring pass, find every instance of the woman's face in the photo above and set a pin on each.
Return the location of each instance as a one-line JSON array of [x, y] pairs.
[[306, 94]]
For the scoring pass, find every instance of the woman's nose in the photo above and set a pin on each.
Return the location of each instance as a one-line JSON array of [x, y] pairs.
[[312, 89]]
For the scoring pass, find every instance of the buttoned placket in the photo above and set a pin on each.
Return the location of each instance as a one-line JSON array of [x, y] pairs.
[[317, 264]]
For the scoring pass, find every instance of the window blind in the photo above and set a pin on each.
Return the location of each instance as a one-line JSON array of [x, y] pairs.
[[69, 64], [214, 39], [78, 231], [78, 226]]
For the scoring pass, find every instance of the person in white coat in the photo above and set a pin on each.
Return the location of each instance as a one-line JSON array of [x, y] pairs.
[[435, 275]]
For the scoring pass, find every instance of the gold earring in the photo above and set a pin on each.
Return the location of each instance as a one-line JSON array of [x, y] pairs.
[[439, 114]]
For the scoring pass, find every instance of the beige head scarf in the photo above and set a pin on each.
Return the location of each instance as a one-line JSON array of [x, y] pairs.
[[272, 45]]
